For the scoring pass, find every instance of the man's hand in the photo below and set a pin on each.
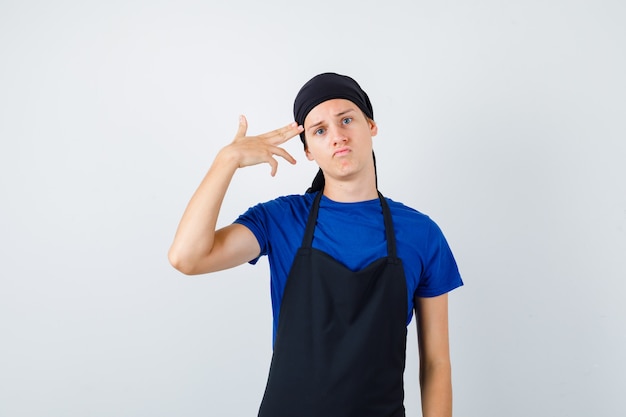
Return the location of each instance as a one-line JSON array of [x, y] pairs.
[[253, 150]]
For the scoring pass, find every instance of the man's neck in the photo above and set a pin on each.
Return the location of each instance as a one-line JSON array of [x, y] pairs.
[[351, 191]]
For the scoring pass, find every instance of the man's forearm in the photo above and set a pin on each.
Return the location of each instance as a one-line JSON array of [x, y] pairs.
[[436, 390]]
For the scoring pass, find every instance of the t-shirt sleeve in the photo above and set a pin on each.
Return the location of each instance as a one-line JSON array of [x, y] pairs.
[[440, 274], [255, 219]]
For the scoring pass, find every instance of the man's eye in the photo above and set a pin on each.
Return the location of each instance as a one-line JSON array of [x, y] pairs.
[[347, 120], [319, 131]]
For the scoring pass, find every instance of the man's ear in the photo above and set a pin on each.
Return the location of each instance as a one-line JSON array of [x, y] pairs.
[[308, 154], [373, 127]]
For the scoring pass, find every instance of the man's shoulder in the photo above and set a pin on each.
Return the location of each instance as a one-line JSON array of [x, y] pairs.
[[281, 211], [291, 199], [401, 209], [412, 219], [292, 203]]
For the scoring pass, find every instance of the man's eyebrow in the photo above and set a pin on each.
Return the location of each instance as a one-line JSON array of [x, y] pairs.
[[341, 113], [315, 125], [344, 112]]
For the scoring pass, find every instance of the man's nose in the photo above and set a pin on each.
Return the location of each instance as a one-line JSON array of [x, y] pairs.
[[337, 135]]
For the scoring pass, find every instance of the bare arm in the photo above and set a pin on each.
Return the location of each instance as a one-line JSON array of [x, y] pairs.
[[198, 248], [435, 368]]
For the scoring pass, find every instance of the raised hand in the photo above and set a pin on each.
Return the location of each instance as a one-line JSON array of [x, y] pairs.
[[197, 246], [253, 150]]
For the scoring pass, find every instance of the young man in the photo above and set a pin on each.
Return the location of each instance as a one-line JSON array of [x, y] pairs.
[[348, 266]]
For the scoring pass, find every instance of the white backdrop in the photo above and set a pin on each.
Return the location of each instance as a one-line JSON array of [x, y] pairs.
[[504, 121]]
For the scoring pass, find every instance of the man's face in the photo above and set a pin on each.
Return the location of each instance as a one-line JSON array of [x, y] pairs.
[[339, 138]]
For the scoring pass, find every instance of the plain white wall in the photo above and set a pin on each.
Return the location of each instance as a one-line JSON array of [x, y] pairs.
[[504, 121]]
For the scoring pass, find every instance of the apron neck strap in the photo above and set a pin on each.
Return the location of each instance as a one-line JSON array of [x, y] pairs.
[[389, 232], [307, 241]]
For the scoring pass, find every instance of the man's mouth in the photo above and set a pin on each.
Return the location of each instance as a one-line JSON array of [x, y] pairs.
[[341, 152]]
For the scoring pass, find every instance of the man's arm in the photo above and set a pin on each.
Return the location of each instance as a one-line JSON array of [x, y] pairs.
[[435, 368], [198, 248]]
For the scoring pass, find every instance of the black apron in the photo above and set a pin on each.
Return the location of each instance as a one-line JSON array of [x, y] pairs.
[[341, 340]]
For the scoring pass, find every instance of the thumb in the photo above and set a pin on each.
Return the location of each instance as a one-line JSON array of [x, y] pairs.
[[243, 126]]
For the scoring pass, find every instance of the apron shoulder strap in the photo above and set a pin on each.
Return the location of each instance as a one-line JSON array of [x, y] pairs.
[[307, 240], [389, 232]]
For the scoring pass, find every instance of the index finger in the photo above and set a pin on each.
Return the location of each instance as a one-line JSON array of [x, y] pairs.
[[283, 134]]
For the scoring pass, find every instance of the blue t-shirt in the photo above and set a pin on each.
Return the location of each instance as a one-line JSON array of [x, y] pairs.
[[353, 234]]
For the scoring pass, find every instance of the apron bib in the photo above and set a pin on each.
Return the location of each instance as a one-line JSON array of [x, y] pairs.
[[341, 340]]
